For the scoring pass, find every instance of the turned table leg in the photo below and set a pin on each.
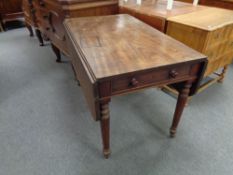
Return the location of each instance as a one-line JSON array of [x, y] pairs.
[[224, 71], [105, 126], [29, 29], [1, 27], [181, 102], [57, 53], [75, 75], [38, 34]]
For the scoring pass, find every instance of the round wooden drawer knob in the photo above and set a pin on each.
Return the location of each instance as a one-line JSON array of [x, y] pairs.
[[134, 82], [173, 74]]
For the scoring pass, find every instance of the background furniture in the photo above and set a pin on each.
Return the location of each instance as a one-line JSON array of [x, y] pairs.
[[50, 15], [155, 13], [31, 20], [123, 61], [203, 28], [10, 10], [227, 4], [210, 32]]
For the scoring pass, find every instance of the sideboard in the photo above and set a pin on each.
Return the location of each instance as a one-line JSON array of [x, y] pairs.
[[50, 14]]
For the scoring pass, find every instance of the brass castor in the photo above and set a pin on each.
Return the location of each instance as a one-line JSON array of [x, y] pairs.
[[172, 133]]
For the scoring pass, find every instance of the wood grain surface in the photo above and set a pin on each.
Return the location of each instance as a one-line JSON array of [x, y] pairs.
[[209, 19], [121, 44], [115, 55], [208, 31]]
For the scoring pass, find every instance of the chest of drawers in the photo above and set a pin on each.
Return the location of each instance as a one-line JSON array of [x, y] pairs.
[[50, 15]]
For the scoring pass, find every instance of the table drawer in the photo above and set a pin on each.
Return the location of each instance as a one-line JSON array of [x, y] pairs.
[[149, 78]]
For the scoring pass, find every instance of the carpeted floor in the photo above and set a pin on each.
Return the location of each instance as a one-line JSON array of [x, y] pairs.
[[46, 128]]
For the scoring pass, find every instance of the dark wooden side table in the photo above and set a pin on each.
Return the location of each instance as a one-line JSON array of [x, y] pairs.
[[118, 54]]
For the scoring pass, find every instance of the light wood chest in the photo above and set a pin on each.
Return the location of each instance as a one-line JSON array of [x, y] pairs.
[[209, 31]]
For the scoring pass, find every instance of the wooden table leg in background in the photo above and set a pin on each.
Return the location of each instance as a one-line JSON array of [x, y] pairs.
[[57, 53], [75, 75], [181, 102], [105, 127], [2, 27], [29, 29], [224, 71], [38, 34]]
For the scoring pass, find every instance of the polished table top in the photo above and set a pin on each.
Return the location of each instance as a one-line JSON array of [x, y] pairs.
[[121, 44]]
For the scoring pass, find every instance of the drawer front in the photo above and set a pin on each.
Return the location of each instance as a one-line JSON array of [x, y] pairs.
[[138, 81]]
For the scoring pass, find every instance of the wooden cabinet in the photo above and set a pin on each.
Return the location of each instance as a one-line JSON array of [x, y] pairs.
[[10, 10], [209, 31], [50, 15]]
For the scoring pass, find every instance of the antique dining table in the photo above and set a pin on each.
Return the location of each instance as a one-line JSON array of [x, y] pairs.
[[119, 54]]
